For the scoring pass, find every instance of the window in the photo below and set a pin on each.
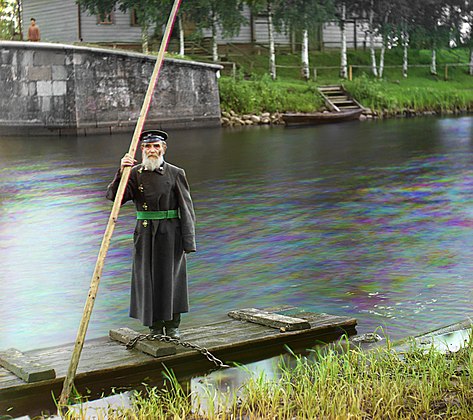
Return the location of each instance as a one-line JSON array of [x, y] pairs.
[[105, 19], [134, 18]]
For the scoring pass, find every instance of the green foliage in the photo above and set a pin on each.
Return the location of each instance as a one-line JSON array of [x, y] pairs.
[[303, 14], [228, 14], [263, 94], [7, 19]]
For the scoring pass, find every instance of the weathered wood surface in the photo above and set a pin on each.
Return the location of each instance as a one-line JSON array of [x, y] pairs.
[[25, 367], [445, 339], [153, 348], [106, 363], [282, 322]]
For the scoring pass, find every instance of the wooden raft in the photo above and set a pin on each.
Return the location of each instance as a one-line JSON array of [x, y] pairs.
[[106, 363]]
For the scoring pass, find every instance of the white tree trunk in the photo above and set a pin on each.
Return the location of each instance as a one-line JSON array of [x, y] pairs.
[[381, 61], [471, 62], [272, 51], [344, 61], [144, 39], [405, 43], [371, 32], [293, 41], [305, 55], [181, 36], [214, 39], [433, 63]]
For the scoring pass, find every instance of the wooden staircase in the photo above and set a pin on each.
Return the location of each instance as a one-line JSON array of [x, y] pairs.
[[338, 100]]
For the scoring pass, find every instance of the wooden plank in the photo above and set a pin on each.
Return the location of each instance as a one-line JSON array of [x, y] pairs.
[[152, 347], [25, 367], [282, 322], [106, 362]]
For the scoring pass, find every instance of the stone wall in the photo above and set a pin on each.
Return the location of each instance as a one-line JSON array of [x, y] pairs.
[[75, 90]]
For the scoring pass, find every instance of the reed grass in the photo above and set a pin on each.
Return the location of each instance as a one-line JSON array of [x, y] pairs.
[[330, 383]]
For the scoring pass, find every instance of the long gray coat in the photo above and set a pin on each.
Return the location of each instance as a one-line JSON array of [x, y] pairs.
[[159, 276]]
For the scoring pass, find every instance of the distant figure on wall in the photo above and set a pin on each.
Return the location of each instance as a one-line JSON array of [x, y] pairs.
[[33, 31]]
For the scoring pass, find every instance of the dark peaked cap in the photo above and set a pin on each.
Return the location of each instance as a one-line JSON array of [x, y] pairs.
[[152, 136]]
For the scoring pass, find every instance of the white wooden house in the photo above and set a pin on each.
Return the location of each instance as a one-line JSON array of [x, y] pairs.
[[256, 31], [64, 21]]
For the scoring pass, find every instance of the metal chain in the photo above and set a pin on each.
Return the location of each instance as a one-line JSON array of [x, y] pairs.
[[186, 344]]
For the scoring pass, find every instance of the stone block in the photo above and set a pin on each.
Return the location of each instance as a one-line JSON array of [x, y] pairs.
[[77, 59], [32, 88], [44, 88], [6, 56], [39, 73], [45, 103], [6, 72], [59, 72], [32, 106], [24, 89], [48, 58], [59, 88], [26, 58]]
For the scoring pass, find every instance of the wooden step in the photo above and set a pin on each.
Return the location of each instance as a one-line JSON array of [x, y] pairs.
[[329, 88]]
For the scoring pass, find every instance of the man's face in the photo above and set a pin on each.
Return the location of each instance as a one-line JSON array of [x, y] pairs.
[[153, 150]]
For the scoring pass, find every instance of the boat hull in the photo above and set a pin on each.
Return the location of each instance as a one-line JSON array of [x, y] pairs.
[[315, 118]]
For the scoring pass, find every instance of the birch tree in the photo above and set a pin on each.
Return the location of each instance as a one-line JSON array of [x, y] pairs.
[[465, 13], [272, 47], [343, 55], [385, 29], [380, 23], [217, 15], [371, 33], [432, 27], [305, 15], [270, 7], [460, 21], [402, 23]]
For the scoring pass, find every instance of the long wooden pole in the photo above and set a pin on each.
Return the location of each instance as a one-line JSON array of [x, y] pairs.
[[94, 284]]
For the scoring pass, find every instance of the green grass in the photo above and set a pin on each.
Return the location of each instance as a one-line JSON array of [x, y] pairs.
[[252, 91], [263, 95], [331, 383]]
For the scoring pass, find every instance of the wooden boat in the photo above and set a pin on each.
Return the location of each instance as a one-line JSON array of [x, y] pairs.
[[313, 118], [29, 380]]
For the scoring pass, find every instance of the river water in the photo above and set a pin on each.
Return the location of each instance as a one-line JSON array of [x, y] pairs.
[[367, 219]]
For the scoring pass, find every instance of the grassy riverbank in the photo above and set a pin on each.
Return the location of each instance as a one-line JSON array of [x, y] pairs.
[[332, 384], [252, 91]]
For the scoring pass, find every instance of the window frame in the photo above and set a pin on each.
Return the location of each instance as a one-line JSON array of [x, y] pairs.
[[109, 19]]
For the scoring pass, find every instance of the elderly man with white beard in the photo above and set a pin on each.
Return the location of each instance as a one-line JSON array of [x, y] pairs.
[[164, 234]]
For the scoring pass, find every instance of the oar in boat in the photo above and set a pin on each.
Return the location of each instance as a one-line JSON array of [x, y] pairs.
[[94, 284]]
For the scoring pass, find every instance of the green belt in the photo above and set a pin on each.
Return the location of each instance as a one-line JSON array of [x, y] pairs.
[[157, 215]]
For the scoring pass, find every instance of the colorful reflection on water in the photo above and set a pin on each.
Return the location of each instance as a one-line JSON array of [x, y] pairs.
[[371, 220]]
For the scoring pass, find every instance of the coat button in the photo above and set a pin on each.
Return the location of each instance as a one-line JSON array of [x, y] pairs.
[[141, 188], [145, 223], [145, 206]]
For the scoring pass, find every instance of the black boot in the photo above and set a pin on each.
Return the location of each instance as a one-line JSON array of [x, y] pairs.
[[172, 327], [157, 328]]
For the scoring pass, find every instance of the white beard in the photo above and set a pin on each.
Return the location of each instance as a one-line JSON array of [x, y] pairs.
[[152, 164]]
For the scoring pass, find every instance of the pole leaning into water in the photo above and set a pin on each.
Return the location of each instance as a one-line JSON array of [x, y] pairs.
[[69, 379]]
